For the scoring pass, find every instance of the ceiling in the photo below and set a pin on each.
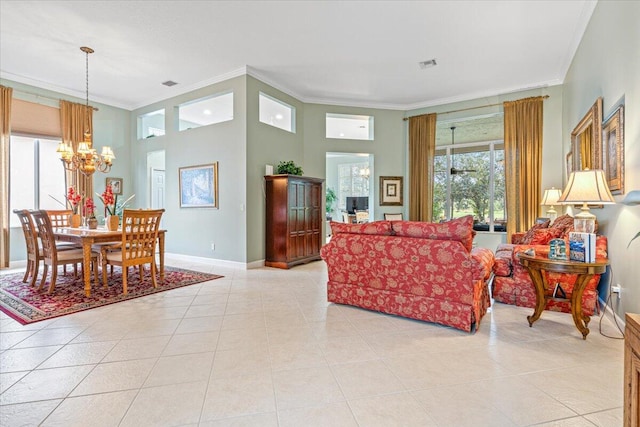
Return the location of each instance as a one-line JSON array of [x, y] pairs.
[[356, 53]]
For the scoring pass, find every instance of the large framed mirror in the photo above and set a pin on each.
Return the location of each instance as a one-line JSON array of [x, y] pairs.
[[586, 139]]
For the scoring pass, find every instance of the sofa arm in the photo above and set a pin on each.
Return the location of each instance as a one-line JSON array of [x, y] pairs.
[[484, 259]]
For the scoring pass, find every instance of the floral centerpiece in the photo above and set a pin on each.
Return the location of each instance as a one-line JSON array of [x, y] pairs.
[[90, 213], [73, 203], [110, 201]]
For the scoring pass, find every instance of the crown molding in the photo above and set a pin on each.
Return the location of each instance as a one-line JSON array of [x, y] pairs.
[[61, 89]]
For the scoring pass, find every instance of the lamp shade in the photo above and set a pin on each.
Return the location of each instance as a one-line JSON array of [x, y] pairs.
[[587, 186], [551, 196], [632, 198]]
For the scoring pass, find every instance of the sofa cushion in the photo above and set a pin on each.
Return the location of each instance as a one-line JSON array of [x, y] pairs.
[[528, 236], [376, 227], [460, 229], [545, 235]]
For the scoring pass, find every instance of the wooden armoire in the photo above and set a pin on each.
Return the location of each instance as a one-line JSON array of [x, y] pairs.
[[294, 220]]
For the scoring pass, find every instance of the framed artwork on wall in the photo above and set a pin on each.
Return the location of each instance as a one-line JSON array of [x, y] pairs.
[[613, 151], [199, 186], [116, 185], [390, 191]]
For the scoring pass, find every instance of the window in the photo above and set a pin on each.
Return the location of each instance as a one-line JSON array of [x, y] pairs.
[[353, 181], [470, 181], [36, 175], [347, 126], [277, 113], [151, 124], [205, 111]]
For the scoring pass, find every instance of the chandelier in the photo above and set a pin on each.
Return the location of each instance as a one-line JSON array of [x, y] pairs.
[[86, 160]]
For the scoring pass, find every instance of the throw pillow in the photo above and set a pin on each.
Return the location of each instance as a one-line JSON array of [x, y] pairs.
[[545, 235], [460, 229], [528, 236], [376, 227], [563, 222]]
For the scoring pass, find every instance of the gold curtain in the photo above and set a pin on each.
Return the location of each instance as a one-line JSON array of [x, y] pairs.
[[6, 94], [523, 162], [76, 119], [422, 148]]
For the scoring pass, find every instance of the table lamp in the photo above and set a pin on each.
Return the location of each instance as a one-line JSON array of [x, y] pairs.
[[550, 198], [588, 186]]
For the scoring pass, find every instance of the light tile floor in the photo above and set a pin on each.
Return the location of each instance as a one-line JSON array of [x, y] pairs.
[[263, 348]]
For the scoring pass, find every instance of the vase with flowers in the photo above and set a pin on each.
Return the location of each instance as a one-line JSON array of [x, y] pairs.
[[73, 202], [90, 212], [109, 199]]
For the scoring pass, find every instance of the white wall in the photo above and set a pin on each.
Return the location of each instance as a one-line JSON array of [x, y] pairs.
[[607, 64]]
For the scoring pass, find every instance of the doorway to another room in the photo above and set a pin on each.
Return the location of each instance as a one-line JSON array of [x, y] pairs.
[[156, 178], [350, 176]]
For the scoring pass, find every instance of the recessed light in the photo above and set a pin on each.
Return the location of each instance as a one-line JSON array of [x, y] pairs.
[[279, 116], [428, 64], [207, 112], [341, 133]]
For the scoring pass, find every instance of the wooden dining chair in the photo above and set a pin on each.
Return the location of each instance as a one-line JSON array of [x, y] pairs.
[[34, 254], [60, 218], [362, 217], [53, 257], [138, 245], [393, 216]]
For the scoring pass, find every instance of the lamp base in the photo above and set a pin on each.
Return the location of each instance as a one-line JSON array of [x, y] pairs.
[[585, 221], [552, 214]]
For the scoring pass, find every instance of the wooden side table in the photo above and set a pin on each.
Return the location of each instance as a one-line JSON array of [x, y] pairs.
[[584, 271]]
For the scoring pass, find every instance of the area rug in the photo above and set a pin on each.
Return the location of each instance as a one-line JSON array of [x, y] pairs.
[[27, 305]]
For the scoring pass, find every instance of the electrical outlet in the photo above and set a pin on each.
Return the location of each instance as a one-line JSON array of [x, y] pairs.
[[213, 246], [616, 289]]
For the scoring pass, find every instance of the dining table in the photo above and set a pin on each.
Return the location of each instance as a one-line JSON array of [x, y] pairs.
[[87, 237]]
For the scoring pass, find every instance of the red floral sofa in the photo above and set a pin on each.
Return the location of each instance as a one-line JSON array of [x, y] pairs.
[[512, 283], [412, 269]]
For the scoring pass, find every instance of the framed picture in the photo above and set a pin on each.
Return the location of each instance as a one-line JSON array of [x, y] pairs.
[[116, 185], [199, 186], [390, 191], [613, 151]]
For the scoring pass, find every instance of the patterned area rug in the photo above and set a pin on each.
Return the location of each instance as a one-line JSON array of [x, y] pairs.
[[27, 305]]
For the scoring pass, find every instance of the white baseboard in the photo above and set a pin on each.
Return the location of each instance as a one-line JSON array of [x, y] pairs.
[[216, 262], [612, 314]]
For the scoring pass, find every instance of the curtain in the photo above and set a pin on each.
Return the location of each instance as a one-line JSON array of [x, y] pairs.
[[422, 148], [76, 120], [6, 93], [523, 162]]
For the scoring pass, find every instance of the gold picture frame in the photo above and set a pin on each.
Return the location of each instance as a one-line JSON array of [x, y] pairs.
[[116, 185], [391, 191], [199, 186], [613, 151], [586, 139]]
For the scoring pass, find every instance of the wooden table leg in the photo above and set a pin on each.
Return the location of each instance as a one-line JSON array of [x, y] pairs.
[[86, 266], [581, 321], [161, 247], [538, 284]]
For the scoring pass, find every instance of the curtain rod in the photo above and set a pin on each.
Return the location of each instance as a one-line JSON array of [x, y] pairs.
[[464, 109], [37, 95]]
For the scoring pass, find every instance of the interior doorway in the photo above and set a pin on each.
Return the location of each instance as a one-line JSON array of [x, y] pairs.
[[156, 178], [350, 176]]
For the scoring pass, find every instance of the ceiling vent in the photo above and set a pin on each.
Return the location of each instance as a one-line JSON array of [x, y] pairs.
[[428, 64], [169, 83]]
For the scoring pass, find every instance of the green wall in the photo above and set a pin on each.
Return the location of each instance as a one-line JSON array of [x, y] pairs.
[[267, 145], [191, 231], [607, 64]]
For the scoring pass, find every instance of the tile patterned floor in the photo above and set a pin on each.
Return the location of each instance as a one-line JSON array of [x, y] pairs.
[[264, 348]]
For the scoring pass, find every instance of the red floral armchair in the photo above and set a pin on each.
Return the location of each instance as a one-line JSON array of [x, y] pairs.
[[512, 284]]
